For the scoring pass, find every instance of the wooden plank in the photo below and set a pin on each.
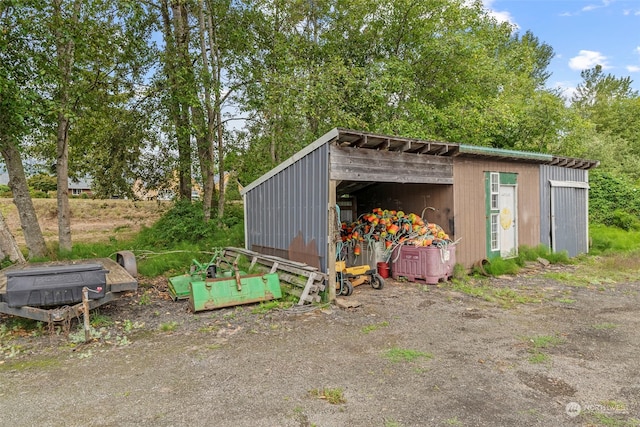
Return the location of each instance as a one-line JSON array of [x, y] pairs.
[[351, 164], [307, 290]]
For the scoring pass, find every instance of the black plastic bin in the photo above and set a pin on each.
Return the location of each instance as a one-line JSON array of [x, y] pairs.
[[54, 285]]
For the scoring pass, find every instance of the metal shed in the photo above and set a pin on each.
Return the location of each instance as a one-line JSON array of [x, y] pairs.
[[493, 199]]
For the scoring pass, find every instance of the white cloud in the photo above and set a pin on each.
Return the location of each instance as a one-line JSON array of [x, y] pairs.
[[591, 7], [588, 59], [567, 90], [633, 68], [500, 16]]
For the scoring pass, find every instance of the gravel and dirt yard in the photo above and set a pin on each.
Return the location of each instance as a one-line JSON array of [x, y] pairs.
[[542, 348]]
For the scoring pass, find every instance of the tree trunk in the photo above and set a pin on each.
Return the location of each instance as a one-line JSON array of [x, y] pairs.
[[62, 170], [205, 145], [181, 29], [175, 114], [8, 246], [65, 48], [21, 197]]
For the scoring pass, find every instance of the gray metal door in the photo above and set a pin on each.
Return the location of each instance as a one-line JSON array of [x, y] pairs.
[[569, 217]]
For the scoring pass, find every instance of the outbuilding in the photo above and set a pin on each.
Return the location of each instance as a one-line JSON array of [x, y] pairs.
[[489, 200]]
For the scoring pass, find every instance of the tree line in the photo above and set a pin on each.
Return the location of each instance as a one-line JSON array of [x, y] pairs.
[[181, 91]]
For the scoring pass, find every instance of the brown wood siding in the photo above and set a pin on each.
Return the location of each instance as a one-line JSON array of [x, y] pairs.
[[354, 164], [469, 205], [410, 198]]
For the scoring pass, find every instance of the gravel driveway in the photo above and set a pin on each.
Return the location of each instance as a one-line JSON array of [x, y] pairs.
[[520, 350]]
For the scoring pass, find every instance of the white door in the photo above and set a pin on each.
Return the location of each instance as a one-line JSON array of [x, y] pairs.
[[508, 229]]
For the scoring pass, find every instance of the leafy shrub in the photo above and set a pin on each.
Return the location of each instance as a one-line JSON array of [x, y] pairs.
[[184, 224], [37, 194], [610, 194], [5, 191], [43, 182], [625, 220]]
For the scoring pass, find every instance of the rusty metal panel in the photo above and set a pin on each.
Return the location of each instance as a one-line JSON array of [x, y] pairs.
[[287, 214], [469, 201], [570, 206]]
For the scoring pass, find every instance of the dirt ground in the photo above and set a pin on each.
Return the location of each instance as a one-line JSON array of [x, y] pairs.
[[550, 354]]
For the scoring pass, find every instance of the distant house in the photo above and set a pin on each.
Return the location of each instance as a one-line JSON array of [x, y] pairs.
[[78, 187], [4, 179]]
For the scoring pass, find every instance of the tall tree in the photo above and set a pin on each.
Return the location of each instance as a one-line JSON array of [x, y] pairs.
[[610, 104], [19, 102]]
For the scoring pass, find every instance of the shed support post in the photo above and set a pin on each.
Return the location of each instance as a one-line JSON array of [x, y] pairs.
[[331, 241]]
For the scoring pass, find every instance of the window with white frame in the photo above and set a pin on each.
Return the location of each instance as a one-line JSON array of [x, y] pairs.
[[494, 178], [76, 191], [495, 218]]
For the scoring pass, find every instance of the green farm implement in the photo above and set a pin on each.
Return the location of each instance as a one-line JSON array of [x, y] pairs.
[[207, 287]]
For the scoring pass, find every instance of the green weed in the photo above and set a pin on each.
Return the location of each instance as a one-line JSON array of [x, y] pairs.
[[145, 298], [544, 341], [538, 343], [265, 307], [169, 326], [101, 320], [397, 355], [538, 357], [370, 328], [335, 396]]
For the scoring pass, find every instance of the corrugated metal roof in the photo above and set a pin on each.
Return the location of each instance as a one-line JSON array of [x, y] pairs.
[[506, 154]]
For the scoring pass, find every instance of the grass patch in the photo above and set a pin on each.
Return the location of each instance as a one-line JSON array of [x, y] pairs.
[[607, 239], [370, 328], [101, 320], [169, 326], [25, 365], [544, 341], [566, 300], [267, 306], [500, 266], [538, 343], [335, 396], [601, 419], [19, 326], [538, 357], [397, 355], [605, 326], [506, 297]]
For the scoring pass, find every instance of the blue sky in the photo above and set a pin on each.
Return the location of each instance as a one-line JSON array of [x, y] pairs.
[[583, 33]]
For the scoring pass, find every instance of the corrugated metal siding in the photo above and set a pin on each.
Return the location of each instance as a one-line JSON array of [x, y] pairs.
[[291, 204], [469, 205], [570, 207]]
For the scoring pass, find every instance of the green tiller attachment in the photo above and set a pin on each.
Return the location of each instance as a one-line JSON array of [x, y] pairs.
[[210, 294]]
